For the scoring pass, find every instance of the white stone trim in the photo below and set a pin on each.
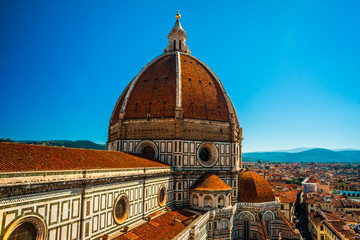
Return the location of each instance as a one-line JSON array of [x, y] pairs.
[[133, 82], [37, 196], [268, 215], [178, 80], [118, 101], [258, 207], [246, 215]]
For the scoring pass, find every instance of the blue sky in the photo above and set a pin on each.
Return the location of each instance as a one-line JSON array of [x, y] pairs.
[[291, 68]]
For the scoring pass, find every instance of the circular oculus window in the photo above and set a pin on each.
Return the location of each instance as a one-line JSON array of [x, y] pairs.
[[121, 209], [162, 196], [207, 154]]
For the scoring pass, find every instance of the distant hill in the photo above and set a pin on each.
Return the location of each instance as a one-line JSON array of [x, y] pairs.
[[62, 143], [319, 155]]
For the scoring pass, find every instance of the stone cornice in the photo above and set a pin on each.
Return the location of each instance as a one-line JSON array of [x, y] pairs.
[[43, 182]]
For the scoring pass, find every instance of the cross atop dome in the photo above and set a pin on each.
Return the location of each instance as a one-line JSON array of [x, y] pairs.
[[177, 37]]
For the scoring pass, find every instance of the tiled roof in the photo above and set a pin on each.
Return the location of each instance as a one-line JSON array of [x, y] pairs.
[[210, 182], [254, 188], [155, 90], [341, 229], [24, 157], [312, 180], [287, 196], [315, 217], [166, 226], [202, 96], [287, 222]]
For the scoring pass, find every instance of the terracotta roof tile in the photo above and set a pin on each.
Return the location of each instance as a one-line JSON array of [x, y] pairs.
[[25, 157], [341, 229], [287, 196], [155, 91], [202, 96], [287, 222], [254, 188], [210, 182], [166, 226]]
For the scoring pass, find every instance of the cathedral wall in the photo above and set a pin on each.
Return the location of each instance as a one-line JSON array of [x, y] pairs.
[[182, 154], [87, 208], [143, 200], [60, 211]]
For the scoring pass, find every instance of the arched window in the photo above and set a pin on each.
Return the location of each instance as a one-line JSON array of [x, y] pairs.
[[149, 152], [208, 201], [195, 200], [221, 201], [224, 225], [174, 45], [26, 231], [246, 229]]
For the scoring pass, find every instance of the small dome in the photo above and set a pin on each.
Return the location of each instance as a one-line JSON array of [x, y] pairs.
[[253, 188], [210, 182]]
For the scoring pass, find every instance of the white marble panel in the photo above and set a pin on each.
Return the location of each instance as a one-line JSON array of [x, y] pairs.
[[74, 231]]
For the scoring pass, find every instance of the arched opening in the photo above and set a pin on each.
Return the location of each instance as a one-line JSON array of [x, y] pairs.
[[149, 152], [224, 225], [195, 200], [174, 45], [221, 201], [26, 231], [208, 201], [246, 229]]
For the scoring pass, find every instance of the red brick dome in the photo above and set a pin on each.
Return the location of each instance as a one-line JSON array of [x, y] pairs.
[[171, 82], [254, 188]]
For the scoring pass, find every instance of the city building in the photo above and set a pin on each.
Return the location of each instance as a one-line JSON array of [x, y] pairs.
[[324, 225]]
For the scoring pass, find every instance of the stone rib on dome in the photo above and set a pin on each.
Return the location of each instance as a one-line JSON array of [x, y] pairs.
[[254, 188], [210, 182]]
